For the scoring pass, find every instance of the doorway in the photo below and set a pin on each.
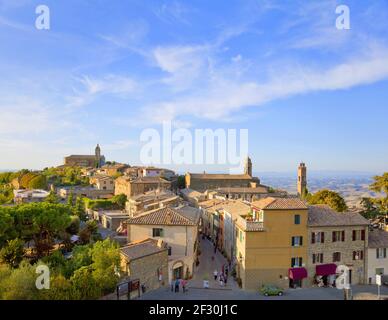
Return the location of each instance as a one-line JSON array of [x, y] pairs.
[[178, 272]]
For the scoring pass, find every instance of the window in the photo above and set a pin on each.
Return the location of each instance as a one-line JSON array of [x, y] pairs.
[[317, 237], [296, 241], [297, 219], [261, 216], [358, 235], [380, 271], [336, 256], [317, 258], [157, 232], [381, 253], [296, 262], [358, 255], [169, 251], [338, 236]]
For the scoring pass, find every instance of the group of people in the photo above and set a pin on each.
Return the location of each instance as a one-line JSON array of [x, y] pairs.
[[222, 276], [177, 284]]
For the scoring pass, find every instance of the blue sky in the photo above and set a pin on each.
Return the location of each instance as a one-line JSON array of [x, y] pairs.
[[108, 69]]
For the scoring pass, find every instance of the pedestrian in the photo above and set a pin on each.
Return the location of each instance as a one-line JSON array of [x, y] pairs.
[[177, 282], [215, 248], [221, 280], [226, 279], [226, 270], [183, 284], [172, 285], [215, 273]]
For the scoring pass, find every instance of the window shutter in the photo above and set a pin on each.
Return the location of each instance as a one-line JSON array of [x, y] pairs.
[[322, 237], [354, 255], [312, 237], [377, 253], [292, 241], [301, 241], [385, 252], [363, 235], [300, 262], [334, 237], [343, 236], [362, 254], [354, 235], [313, 258], [321, 257]]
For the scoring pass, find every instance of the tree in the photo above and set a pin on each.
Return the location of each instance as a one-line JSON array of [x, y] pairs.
[[85, 285], [38, 182], [380, 185], [20, 283], [181, 182], [52, 198], [41, 222], [70, 199], [330, 198], [79, 209], [74, 225], [120, 200], [12, 253]]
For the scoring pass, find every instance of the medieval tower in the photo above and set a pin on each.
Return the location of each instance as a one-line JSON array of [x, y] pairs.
[[302, 179], [98, 156], [248, 166]]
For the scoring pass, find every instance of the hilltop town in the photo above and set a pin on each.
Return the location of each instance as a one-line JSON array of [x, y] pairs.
[[163, 233]]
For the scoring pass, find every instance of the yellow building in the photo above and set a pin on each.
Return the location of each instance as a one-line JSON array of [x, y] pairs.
[[271, 244]]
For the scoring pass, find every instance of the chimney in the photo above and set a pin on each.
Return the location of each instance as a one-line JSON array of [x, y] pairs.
[[168, 217]]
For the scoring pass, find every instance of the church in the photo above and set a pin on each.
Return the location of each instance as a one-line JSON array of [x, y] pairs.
[[205, 181], [96, 161]]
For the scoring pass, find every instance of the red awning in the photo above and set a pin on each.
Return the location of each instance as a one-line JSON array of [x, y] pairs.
[[297, 273], [326, 269]]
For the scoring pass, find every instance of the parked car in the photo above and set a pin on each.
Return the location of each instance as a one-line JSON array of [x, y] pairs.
[[270, 290]]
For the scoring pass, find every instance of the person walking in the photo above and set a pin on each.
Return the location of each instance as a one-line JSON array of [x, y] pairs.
[[215, 273], [183, 284], [221, 277], [225, 279], [172, 285], [177, 282]]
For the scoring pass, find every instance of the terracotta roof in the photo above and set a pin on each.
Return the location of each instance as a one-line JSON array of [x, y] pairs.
[[322, 216], [378, 239], [142, 248], [150, 180], [163, 216], [258, 189], [271, 203], [212, 176]]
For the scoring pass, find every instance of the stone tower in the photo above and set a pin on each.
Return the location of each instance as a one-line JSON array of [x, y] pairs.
[[98, 156], [248, 166], [302, 178]]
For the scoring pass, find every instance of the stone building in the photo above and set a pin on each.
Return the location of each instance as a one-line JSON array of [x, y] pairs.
[[178, 228], [336, 238], [151, 200], [102, 182], [135, 186], [146, 260], [205, 181], [96, 160], [377, 255]]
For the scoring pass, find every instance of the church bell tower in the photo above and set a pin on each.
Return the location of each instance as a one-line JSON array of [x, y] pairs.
[[302, 179], [248, 166], [98, 156]]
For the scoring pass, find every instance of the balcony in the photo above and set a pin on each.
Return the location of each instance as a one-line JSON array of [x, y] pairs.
[[248, 223]]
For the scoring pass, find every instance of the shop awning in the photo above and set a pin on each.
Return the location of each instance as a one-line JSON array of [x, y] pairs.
[[326, 269], [297, 273]]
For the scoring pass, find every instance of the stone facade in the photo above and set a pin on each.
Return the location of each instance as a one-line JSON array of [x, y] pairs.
[[346, 248], [151, 270], [132, 187]]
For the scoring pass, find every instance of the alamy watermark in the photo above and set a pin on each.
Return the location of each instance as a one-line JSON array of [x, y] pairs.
[[202, 146], [43, 280], [343, 20], [42, 21]]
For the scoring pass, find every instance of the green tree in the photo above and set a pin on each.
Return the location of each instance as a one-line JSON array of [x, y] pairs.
[[20, 283], [120, 200], [52, 198], [330, 198], [12, 253], [181, 182], [79, 209], [380, 185], [85, 285], [70, 199], [38, 182]]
